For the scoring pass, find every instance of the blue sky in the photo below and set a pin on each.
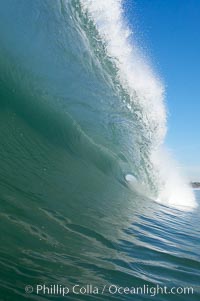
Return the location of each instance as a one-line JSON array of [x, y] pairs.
[[169, 33]]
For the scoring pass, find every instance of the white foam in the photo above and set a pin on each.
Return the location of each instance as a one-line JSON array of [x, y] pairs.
[[130, 178], [174, 189]]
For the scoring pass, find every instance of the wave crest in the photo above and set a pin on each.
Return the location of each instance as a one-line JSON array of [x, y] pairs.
[[146, 91]]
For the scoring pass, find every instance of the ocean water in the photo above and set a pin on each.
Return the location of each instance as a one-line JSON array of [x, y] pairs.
[[88, 194]]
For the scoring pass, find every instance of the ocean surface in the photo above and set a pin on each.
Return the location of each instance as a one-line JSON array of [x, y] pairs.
[[89, 196]]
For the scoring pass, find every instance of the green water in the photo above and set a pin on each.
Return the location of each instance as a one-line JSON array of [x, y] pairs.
[[67, 215]]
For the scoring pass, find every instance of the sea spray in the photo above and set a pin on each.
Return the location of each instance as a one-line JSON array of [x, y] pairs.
[[173, 186]]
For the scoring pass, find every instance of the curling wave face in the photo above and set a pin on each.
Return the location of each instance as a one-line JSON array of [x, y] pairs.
[[85, 66], [82, 122]]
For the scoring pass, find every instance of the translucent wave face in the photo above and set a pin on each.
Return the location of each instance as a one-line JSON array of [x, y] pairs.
[[147, 92]]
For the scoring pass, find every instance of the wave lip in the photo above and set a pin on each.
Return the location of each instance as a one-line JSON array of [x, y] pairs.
[[135, 75]]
